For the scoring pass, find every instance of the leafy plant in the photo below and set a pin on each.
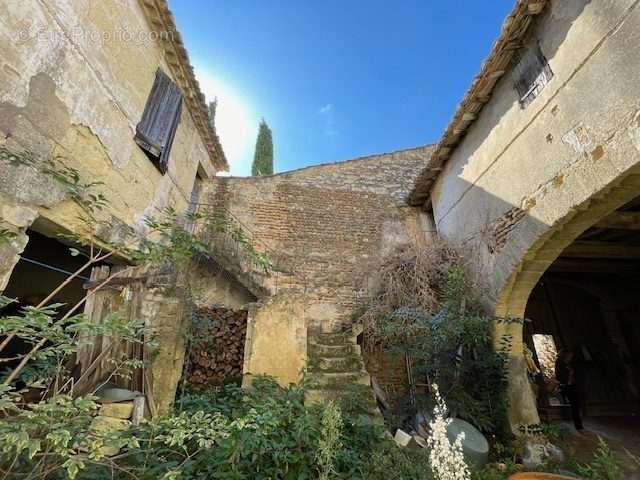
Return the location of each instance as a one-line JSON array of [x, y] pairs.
[[46, 437], [426, 309], [604, 466], [39, 439], [330, 440], [263, 155]]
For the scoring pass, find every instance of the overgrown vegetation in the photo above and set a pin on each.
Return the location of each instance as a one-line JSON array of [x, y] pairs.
[[423, 306], [604, 466], [263, 433], [49, 435]]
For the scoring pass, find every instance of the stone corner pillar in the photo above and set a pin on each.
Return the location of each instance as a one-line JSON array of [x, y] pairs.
[[276, 342]]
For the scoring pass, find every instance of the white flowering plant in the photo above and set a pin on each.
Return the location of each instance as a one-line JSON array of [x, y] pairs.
[[445, 458]]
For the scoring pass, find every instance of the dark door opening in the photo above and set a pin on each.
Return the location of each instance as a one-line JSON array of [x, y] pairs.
[[587, 302], [43, 266]]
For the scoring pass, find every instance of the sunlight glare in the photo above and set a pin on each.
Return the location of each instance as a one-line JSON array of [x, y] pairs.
[[236, 124]]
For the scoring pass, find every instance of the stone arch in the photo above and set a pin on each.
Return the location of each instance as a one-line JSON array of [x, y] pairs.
[[512, 298]]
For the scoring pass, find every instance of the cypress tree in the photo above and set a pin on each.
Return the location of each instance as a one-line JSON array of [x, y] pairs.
[[263, 156]]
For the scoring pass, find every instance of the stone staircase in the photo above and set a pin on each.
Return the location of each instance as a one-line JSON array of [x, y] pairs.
[[336, 367]]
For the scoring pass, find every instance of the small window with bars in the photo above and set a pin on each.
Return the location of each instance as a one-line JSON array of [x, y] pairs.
[[530, 74], [157, 128]]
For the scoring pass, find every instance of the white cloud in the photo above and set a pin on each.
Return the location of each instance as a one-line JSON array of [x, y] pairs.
[[326, 109], [328, 114]]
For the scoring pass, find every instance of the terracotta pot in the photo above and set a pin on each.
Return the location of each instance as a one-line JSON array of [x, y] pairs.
[[539, 476]]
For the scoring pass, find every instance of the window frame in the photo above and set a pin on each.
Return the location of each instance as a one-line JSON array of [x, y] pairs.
[[529, 62]]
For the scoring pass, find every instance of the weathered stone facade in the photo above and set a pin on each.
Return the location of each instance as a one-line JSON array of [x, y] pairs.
[[521, 182], [73, 84], [74, 80], [323, 226], [513, 181]]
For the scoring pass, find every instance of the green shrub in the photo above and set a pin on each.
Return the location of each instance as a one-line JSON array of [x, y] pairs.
[[604, 466], [266, 432], [448, 337]]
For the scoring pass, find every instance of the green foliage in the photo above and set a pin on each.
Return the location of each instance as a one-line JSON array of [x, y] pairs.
[[263, 433], [494, 471], [330, 440], [604, 466], [7, 236], [263, 155], [63, 338], [388, 462], [453, 347], [44, 439]]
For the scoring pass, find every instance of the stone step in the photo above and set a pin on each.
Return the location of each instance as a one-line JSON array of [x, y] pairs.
[[322, 395], [338, 380], [337, 364], [321, 350], [333, 338]]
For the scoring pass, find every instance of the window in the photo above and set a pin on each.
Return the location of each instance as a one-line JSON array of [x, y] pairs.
[[157, 128], [531, 74]]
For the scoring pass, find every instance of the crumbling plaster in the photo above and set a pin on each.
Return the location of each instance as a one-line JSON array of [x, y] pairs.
[[571, 145], [74, 79], [76, 89]]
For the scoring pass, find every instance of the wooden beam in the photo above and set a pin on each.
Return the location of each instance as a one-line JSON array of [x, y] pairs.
[[621, 221], [601, 250], [116, 283]]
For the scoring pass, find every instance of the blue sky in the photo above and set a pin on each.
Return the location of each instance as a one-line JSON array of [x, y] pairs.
[[335, 79]]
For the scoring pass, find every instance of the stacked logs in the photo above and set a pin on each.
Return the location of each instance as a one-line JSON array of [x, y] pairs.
[[217, 347]]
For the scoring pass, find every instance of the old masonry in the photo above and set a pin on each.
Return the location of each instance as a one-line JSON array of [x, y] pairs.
[[537, 175]]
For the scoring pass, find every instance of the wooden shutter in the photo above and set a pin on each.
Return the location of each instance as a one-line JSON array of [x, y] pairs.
[[531, 73], [157, 128]]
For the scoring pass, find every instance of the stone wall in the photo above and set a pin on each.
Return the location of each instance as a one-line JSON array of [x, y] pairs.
[[525, 181], [322, 227], [72, 85]]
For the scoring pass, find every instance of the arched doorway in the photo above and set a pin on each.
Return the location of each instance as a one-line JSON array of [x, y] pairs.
[[515, 296], [587, 302]]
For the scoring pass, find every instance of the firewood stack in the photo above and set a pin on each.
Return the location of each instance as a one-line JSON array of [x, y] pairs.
[[217, 348]]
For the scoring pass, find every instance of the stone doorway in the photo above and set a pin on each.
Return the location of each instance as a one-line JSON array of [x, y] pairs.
[[533, 264], [586, 301]]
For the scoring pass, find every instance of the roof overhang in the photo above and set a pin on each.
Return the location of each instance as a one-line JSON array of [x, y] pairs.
[[161, 22], [513, 33]]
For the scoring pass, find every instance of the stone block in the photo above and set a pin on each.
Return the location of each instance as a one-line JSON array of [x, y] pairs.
[[121, 410], [402, 438], [104, 425], [18, 216]]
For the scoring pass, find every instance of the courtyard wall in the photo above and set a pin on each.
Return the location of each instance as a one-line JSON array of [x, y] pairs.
[[323, 228], [525, 181]]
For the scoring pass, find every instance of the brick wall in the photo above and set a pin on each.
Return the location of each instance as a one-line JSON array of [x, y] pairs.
[[324, 224]]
